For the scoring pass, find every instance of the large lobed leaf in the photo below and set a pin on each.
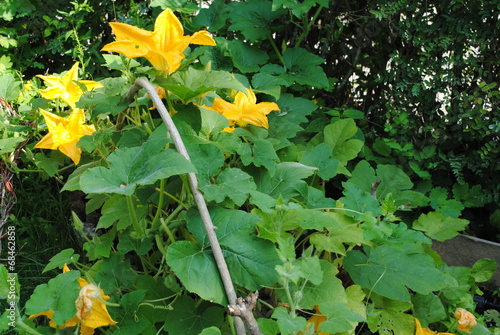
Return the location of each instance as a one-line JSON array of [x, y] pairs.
[[58, 295], [251, 260], [390, 272], [130, 167]]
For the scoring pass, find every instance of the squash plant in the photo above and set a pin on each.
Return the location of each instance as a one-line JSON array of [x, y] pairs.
[[237, 193]]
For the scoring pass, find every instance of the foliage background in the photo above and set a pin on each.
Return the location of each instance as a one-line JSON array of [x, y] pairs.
[[419, 77]]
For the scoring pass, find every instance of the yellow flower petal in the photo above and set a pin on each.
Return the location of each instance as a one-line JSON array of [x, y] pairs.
[[163, 48], [64, 133], [91, 310], [466, 320], [245, 109], [317, 319], [424, 331], [65, 88]]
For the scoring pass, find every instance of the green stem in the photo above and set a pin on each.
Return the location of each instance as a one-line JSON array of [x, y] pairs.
[[40, 170], [290, 299], [276, 50], [168, 231], [26, 328], [133, 216], [160, 203], [305, 31], [171, 196]]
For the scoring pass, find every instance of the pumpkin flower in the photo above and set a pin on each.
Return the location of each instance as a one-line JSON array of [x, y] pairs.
[[466, 320], [317, 319], [91, 311], [163, 48], [424, 331], [66, 87], [64, 133], [244, 110]]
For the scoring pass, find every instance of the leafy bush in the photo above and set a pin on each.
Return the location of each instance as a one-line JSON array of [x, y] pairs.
[[332, 227]]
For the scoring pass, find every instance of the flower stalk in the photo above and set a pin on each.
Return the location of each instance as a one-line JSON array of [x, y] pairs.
[[198, 196]]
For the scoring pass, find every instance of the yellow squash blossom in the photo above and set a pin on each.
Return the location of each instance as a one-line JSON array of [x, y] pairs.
[[466, 320], [424, 331], [317, 319], [244, 110], [91, 311], [64, 87], [163, 48], [64, 133]]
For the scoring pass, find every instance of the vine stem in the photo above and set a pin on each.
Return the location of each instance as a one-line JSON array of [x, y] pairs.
[[198, 196]]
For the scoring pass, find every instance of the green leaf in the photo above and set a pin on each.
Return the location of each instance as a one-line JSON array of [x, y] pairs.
[[255, 19], [213, 17], [484, 269], [9, 144], [73, 181], [461, 291], [340, 317], [211, 331], [251, 260], [314, 197], [390, 272], [268, 83], [231, 183], [191, 83], [127, 317], [268, 326], [391, 317], [212, 122], [274, 226], [287, 323], [320, 157], [439, 202], [428, 308], [298, 8], [392, 180], [246, 58], [342, 230], [304, 68], [100, 246], [438, 226], [285, 124], [186, 318], [140, 245], [130, 167], [10, 87], [262, 153], [197, 270], [116, 62], [67, 256], [339, 135], [363, 176], [50, 164], [156, 291], [207, 159], [115, 274], [330, 290], [115, 209], [107, 100], [359, 201], [286, 177], [7, 282], [58, 295]]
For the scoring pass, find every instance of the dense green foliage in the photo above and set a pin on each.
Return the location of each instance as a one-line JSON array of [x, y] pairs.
[[386, 138]]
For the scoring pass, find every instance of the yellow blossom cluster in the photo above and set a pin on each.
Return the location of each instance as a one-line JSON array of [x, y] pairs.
[[91, 311]]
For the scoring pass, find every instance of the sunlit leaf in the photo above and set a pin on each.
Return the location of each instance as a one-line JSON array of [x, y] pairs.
[[438, 226], [391, 272], [58, 295], [130, 167]]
